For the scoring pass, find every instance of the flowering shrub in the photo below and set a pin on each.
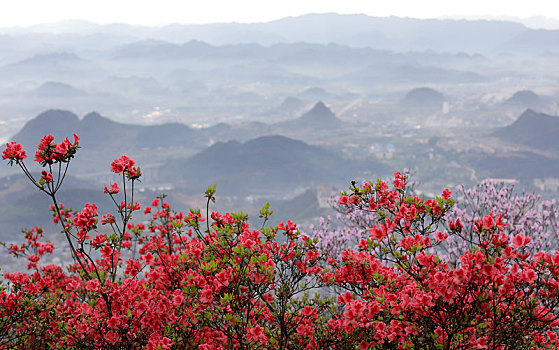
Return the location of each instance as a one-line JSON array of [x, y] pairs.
[[400, 293], [349, 226], [208, 280], [342, 232], [522, 214]]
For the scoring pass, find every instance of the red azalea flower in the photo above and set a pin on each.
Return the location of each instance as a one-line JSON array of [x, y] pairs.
[[14, 151]]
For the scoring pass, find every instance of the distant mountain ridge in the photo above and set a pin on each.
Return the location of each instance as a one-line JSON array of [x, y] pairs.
[[53, 89], [533, 39], [98, 132], [355, 30]]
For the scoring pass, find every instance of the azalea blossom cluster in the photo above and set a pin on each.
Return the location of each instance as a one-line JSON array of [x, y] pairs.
[[50, 152], [14, 152], [522, 213], [210, 280], [124, 165]]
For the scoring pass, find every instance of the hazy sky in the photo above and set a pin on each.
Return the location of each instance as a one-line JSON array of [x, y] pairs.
[[159, 12]]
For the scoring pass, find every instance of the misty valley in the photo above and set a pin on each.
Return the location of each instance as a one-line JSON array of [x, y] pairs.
[[287, 112]]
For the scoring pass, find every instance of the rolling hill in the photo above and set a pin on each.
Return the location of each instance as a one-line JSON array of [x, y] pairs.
[[319, 117], [97, 132], [533, 129], [423, 97], [263, 165]]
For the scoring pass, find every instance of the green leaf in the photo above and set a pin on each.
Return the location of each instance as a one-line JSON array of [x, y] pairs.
[[210, 191], [227, 297]]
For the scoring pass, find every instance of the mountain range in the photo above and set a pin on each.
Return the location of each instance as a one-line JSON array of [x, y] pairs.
[[269, 160], [358, 30], [206, 74], [98, 132]]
